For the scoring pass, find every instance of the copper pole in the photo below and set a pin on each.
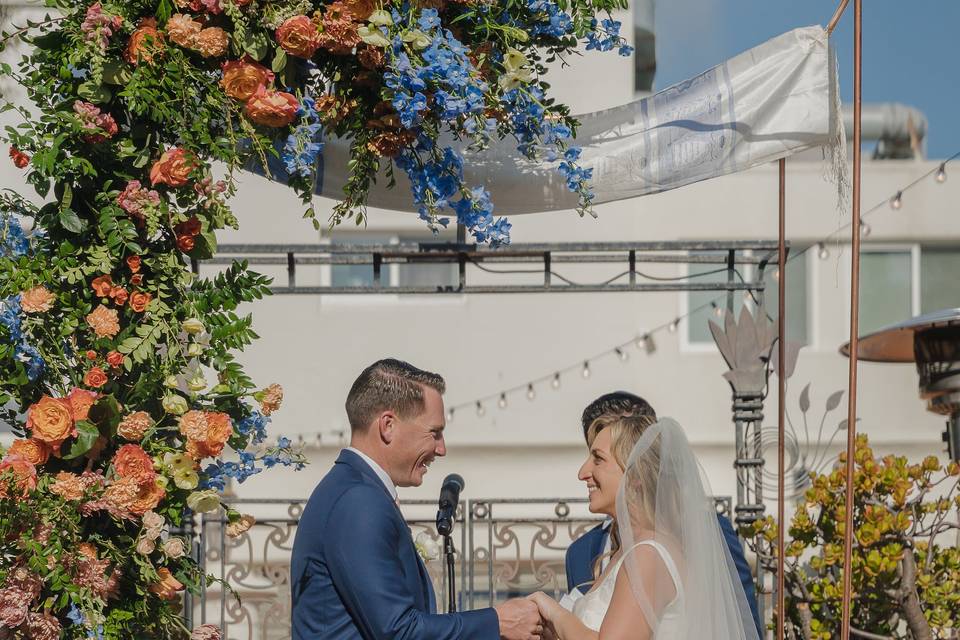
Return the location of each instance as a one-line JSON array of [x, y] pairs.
[[854, 322], [837, 15], [781, 394]]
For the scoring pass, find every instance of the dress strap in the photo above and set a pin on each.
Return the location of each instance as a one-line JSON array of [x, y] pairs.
[[667, 560]]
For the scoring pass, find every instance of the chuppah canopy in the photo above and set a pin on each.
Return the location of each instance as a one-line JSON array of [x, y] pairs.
[[770, 102]]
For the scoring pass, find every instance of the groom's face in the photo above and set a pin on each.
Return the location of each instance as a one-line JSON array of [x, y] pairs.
[[419, 440]]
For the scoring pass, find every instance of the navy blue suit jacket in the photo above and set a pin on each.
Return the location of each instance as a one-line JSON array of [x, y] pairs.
[[585, 550], [355, 572]]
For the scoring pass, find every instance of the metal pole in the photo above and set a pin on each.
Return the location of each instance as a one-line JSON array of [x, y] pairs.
[[781, 395], [854, 320], [451, 574]]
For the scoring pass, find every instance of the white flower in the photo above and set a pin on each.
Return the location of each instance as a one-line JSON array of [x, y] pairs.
[[197, 382], [418, 39], [514, 60], [427, 547], [186, 478], [373, 37], [381, 18], [176, 405], [193, 326], [203, 501], [514, 79], [174, 547]]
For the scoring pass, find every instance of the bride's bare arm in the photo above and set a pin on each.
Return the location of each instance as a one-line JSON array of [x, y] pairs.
[[563, 624], [625, 619]]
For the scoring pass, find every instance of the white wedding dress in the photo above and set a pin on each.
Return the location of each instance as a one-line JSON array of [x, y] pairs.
[[591, 608]]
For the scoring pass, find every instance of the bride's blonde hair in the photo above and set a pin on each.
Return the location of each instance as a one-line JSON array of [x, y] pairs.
[[625, 432]]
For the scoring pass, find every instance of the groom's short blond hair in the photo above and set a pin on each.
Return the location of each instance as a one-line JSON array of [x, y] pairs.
[[389, 385]]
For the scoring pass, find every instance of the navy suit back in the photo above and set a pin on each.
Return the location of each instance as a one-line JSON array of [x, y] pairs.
[[355, 571]]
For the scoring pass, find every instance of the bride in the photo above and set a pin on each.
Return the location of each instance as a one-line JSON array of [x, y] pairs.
[[670, 576]]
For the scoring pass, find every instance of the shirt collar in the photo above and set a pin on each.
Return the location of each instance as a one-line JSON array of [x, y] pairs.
[[377, 469]]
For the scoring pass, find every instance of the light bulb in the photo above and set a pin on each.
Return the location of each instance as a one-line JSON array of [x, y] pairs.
[[718, 310], [822, 252], [941, 176], [502, 402], [586, 370], [480, 410], [531, 392], [864, 229], [555, 383], [776, 275], [896, 201], [672, 327], [623, 355], [641, 342], [450, 415]]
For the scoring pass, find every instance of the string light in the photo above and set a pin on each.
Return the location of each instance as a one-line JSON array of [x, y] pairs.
[[941, 176], [480, 410], [896, 201], [502, 402], [776, 275], [450, 415], [645, 342], [531, 392]]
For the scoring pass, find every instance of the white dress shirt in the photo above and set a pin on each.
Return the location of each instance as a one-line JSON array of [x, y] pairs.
[[377, 469]]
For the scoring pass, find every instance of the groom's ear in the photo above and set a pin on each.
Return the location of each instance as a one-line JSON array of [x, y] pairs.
[[387, 424]]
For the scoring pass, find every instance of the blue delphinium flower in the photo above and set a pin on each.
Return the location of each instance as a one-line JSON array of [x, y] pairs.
[[303, 145], [607, 37], [255, 423], [13, 241], [22, 351]]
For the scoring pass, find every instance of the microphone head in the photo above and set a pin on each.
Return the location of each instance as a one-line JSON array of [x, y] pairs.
[[455, 479]]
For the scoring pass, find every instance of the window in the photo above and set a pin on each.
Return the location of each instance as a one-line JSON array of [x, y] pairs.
[[402, 275], [939, 279], [886, 288], [355, 275], [698, 329]]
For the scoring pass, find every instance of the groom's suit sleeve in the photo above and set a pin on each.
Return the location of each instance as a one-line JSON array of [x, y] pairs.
[[364, 561]]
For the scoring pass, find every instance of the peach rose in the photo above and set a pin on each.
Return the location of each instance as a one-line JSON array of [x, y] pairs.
[[119, 295], [115, 358], [168, 587], [173, 168], [182, 29], [132, 462], [299, 36], [95, 378], [34, 451], [174, 547], [80, 402], [24, 474], [133, 263], [219, 430], [272, 108], [144, 43], [51, 420], [146, 546], [135, 425], [242, 78], [148, 498], [102, 286], [206, 632], [36, 300], [211, 42], [136, 279], [193, 425], [241, 526], [139, 301], [104, 322], [271, 399], [186, 243]]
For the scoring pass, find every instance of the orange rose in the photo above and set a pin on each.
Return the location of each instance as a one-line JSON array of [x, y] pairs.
[[168, 588], [133, 263], [299, 36], [173, 168], [182, 29], [136, 279], [102, 286], [24, 474], [211, 42], [36, 300], [144, 43], [139, 301], [132, 462], [119, 295], [104, 322], [34, 451], [147, 498], [51, 420], [242, 78], [186, 243], [95, 378], [135, 425], [219, 430], [115, 358], [272, 108], [91, 354], [80, 401]]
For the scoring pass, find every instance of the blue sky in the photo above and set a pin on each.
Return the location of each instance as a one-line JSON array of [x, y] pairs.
[[911, 49]]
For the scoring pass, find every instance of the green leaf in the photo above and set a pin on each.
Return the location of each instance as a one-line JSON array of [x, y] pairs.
[[164, 10], [87, 434], [116, 73], [95, 93], [256, 44], [279, 61], [205, 246], [70, 220]]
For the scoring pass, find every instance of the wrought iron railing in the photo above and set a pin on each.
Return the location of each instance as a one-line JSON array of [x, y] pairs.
[[505, 548]]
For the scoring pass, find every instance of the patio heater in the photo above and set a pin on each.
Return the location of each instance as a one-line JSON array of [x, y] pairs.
[[932, 341]]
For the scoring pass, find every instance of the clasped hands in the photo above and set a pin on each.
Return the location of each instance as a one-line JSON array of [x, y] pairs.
[[528, 618]]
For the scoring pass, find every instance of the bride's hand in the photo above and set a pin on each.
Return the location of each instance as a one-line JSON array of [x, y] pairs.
[[545, 604]]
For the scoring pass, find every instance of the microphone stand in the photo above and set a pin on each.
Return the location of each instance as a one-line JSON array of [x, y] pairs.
[[449, 551]]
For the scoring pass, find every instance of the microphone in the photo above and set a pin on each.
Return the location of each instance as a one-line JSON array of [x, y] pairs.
[[449, 499]]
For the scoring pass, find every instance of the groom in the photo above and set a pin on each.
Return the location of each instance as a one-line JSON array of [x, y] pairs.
[[582, 554], [355, 572]]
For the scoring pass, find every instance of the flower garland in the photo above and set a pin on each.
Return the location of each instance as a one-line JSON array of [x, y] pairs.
[[118, 367]]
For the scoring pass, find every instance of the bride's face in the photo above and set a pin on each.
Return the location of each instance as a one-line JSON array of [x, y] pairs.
[[602, 474]]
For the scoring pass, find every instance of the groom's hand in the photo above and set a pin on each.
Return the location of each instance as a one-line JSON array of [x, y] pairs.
[[519, 620]]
